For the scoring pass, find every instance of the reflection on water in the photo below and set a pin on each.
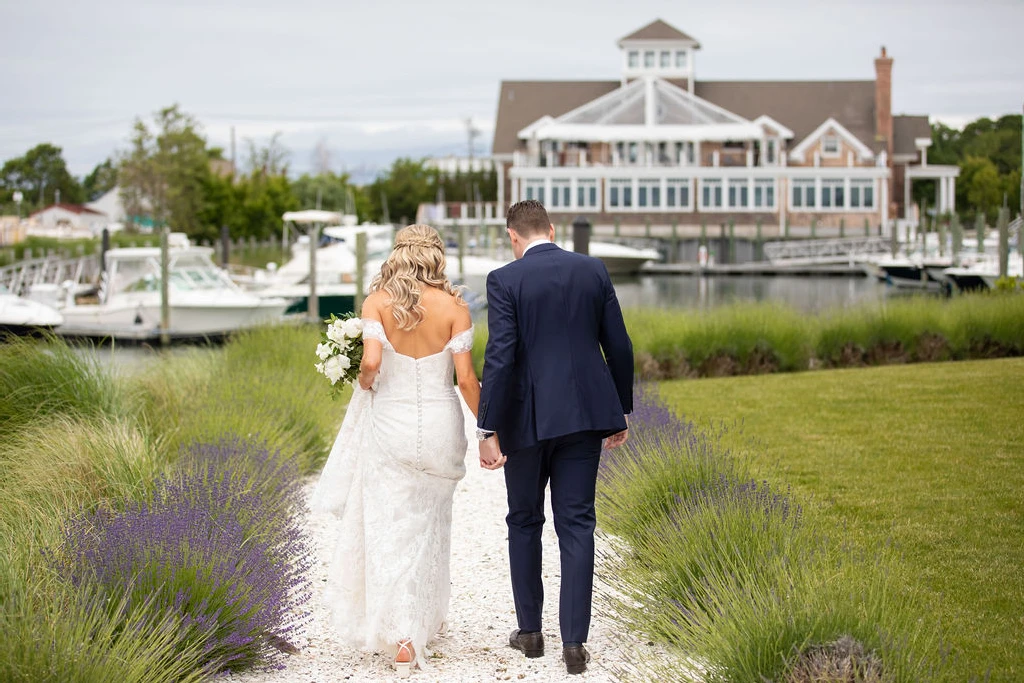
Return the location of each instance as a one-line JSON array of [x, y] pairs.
[[809, 294]]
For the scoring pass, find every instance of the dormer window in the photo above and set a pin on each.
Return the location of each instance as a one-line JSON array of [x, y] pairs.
[[680, 59], [666, 59], [649, 59], [634, 59], [830, 145]]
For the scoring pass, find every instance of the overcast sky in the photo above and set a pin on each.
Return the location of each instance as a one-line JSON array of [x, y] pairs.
[[382, 78]]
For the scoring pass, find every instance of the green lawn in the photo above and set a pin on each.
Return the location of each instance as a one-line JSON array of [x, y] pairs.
[[929, 456]]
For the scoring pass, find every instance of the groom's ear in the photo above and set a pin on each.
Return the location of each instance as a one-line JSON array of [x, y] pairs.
[[551, 231]]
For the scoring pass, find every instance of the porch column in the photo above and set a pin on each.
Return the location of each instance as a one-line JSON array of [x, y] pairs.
[[906, 192], [952, 194], [499, 210], [884, 196], [940, 195]]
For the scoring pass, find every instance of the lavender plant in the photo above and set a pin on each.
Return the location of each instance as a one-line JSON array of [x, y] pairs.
[[218, 543]]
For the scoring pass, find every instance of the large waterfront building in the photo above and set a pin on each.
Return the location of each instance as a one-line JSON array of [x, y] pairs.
[[660, 146]]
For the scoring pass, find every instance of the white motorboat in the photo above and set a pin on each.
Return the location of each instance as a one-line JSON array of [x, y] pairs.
[[21, 316], [203, 301], [618, 258], [984, 273]]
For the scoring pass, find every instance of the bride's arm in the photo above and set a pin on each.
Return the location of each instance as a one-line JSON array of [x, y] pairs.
[[469, 385], [373, 350]]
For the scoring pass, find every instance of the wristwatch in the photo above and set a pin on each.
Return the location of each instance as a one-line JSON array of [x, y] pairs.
[[483, 434]]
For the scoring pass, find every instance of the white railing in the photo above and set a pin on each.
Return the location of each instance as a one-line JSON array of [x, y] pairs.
[[842, 250], [21, 276]]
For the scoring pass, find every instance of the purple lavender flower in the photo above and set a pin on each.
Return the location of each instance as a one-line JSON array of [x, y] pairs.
[[219, 543]]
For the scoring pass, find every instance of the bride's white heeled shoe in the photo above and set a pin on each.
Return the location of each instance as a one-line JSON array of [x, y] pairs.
[[404, 669]]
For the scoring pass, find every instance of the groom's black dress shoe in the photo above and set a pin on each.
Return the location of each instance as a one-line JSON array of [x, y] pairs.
[[530, 644], [576, 658]]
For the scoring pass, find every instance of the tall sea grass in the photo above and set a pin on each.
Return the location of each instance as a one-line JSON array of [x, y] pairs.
[[734, 573]]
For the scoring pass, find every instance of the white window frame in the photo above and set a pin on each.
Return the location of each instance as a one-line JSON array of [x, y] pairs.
[[711, 184], [741, 186], [665, 59], [533, 188], [830, 153], [829, 188], [648, 187], [801, 184], [860, 185], [682, 59], [617, 187], [653, 61], [633, 59], [766, 186], [561, 189], [587, 185], [679, 184]]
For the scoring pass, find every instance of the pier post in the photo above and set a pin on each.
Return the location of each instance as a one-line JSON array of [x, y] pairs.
[[941, 227], [814, 228], [313, 307], [759, 243], [867, 228], [979, 230], [492, 241], [616, 226], [225, 246], [581, 235], [647, 228], [894, 240], [703, 233], [360, 274], [785, 228], [1003, 225], [732, 241], [462, 249], [842, 227], [957, 236], [674, 255], [165, 274], [104, 248]]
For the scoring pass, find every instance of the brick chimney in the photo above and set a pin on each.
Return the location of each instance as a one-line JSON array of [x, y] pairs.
[[883, 101]]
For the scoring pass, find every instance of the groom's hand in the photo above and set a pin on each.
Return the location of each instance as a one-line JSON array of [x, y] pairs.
[[490, 454], [616, 440]]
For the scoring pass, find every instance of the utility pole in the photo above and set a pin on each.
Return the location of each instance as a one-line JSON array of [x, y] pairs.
[[472, 132]]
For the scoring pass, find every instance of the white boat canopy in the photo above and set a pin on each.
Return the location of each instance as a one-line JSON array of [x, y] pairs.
[[313, 216]]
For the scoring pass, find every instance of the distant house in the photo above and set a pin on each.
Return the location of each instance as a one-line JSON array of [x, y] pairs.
[[67, 221], [660, 146]]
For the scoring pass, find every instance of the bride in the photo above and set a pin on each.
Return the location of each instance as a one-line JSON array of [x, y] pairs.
[[400, 453]]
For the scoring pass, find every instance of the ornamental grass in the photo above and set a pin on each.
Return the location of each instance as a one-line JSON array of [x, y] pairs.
[[733, 573]]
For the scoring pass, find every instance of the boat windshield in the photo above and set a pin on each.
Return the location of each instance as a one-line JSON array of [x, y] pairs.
[[188, 272]]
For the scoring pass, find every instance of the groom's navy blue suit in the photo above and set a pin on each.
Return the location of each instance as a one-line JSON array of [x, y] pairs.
[[558, 378]]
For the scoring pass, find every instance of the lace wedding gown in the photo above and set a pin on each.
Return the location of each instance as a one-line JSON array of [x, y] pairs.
[[390, 479]]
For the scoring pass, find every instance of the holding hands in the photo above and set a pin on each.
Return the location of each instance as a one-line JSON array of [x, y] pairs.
[[491, 457]]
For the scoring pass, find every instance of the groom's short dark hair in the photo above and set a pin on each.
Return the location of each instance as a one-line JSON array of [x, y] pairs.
[[528, 218]]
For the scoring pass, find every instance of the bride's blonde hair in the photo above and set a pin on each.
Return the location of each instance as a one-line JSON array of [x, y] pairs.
[[417, 261]]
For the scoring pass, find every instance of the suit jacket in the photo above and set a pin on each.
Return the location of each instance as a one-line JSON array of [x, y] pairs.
[[551, 314]]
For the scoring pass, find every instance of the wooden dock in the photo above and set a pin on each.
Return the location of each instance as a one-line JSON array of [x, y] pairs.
[[755, 268]]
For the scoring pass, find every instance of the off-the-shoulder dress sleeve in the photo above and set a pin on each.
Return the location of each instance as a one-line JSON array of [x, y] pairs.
[[462, 342], [373, 329]]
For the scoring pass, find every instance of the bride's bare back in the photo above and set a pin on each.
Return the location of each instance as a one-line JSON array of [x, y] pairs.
[[445, 317]]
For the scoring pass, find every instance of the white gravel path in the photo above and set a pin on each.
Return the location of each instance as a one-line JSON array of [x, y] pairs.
[[481, 613]]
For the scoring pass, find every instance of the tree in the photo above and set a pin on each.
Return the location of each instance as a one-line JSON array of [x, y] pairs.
[[103, 179], [406, 185], [39, 175], [983, 185], [164, 174], [268, 160]]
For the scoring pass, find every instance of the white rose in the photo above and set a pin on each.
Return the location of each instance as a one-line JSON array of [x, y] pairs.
[[319, 368], [336, 333], [335, 367], [324, 351], [353, 327]]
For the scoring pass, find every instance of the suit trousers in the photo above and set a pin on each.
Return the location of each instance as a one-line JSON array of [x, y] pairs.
[[570, 464]]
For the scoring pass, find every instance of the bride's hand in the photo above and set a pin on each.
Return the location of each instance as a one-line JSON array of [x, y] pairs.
[[366, 382], [491, 457]]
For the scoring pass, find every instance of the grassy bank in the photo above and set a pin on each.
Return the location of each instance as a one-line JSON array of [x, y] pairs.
[[158, 508], [927, 458], [746, 339]]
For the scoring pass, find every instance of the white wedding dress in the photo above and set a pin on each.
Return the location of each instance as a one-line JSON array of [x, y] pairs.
[[390, 479]]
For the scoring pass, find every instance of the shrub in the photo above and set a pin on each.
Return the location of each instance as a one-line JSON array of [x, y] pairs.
[[211, 545]]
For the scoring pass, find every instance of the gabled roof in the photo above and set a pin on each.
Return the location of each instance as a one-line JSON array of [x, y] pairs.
[[645, 109], [799, 152], [520, 103], [800, 105], [660, 31], [73, 208]]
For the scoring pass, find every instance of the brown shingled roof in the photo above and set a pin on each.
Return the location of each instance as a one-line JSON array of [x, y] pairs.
[[801, 106], [659, 30], [906, 129], [520, 103]]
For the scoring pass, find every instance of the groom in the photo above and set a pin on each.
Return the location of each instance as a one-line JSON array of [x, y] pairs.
[[558, 379]]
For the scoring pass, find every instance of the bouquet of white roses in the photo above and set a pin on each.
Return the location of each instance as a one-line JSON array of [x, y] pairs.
[[341, 351]]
